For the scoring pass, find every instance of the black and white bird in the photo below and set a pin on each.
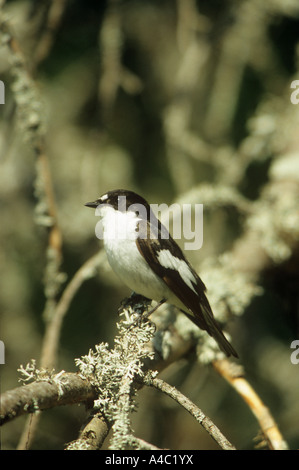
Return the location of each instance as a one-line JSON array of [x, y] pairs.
[[145, 257]]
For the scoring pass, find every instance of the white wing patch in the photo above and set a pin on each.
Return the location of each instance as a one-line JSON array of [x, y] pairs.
[[167, 260]]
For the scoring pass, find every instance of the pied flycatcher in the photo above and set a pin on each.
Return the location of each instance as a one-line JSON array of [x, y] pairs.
[[146, 258]]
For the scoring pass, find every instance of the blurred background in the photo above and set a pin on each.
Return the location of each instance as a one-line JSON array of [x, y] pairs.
[[170, 98]]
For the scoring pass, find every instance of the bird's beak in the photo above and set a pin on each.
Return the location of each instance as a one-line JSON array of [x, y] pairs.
[[93, 204]]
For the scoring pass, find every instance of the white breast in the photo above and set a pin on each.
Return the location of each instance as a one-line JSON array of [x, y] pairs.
[[124, 257]]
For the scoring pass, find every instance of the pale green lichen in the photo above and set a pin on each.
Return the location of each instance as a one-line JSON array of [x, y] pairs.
[[276, 220], [31, 373], [229, 292], [216, 196], [113, 371]]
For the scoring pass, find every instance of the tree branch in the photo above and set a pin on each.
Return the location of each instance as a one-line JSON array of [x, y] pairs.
[[196, 412], [235, 377], [52, 334], [67, 389]]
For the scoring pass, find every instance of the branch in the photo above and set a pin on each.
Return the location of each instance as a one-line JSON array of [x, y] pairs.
[[52, 335], [67, 388], [30, 113], [63, 389], [48, 31], [234, 375], [92, 434], [196, 412]]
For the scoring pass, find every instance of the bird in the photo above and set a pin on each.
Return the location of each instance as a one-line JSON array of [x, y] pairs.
[[141, 251]]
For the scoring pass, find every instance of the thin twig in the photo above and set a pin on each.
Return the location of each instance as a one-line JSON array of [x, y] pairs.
[[234, 376], [196, 412], [47, 37], [52, 335], [111, 48]]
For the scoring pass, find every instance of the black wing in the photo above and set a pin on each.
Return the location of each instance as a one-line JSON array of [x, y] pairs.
[[192, 297]]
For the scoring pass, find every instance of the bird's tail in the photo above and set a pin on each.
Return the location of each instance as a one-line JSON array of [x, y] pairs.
[[214, 330], [223, 343]]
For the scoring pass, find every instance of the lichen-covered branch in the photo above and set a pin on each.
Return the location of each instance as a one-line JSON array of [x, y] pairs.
[[109, 379], [62, 389], [185, 102]]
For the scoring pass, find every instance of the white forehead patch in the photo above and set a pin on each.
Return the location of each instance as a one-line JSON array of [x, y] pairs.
[[104, 197], [167, 260]]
